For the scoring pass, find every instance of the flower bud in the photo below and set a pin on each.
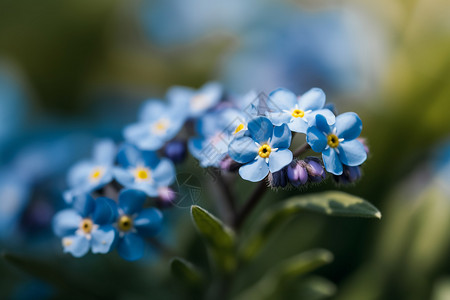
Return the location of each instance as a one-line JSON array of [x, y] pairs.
[[349, 175], [278, 179], [229, 165], [176, 151], [296, 173], [315, 169], [166, 195]]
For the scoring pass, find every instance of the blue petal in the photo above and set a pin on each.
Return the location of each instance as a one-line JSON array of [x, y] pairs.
[[328, 114], [78, 175], [124, 177], [243, 149], [105, 211], [281, 137], [164, 173], [131, 247], [136, 132], [152, 110], [322, 124], [148, 222], [298, 125], [261, 129], [150, 159], [84, 204], [148, 188], [150, 142], [348, 126], [66, 222], [332, 162], [179, 96], [352, 153], [316, 139], [131, 201], [77, 245], [105, 152], [279, 118], [254, 171], [279, 159], [210, 95], [129, 155], [312, 100], [282, 99], [103, 239]]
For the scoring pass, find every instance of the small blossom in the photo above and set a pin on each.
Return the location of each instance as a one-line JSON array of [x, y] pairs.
[[87, 226], [315, 169], [338, 142], [297, 112], [143, 170], [135, 223], [264, 150]]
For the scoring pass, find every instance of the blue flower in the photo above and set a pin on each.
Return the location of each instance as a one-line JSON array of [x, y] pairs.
[[196, 102], [297, 112], [135, 223], [89, 175], [338, 142], [143, 170], [216, 129], [264, 150], [87, 226], [158, 123]]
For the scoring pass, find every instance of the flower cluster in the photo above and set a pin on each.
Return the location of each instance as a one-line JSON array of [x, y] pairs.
[[111, 194]]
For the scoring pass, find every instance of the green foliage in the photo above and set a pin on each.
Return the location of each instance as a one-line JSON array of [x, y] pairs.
[[186, 272], [219, 238], [278, 279], [332, 203]]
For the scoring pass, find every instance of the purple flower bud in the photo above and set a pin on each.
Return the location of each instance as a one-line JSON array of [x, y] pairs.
[[229, 165], [315, 169], [176, 151], [349, 175], [166, 195], [278, 179], [296, 173]]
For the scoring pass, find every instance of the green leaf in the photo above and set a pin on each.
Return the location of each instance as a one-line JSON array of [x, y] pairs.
[[280, 277], [313, 288], [186, 272], [220, 239], [332, 203]]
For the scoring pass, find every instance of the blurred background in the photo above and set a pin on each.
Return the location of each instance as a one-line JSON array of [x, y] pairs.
[[74, 71]]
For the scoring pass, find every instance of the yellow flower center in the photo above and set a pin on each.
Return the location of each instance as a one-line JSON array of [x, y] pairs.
[[264, 151], [142, 174], [239, 128], [298, 113], [161, 126], [86, 225], [332, 140], [96, 174], [125, 223]]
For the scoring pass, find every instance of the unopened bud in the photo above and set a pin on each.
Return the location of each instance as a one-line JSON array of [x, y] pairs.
[[278, 179], [349, 175], [229, 165], [176, 151], [166, 195], [315, 169], [296, 173]]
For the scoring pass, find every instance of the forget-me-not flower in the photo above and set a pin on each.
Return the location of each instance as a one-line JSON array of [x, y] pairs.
[[135, 223], [89, 175], [158, 123], [196, 102], [297, 112], [338, 142], [264, 150], [143, 170], [87, 225]]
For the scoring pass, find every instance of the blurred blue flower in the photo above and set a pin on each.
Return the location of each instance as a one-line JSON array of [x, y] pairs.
[[297, 112], [143, 170], [158, 123], [196, 102], [216, 129], [338, 142], [89, 175], [87, 225], [135, 223], [264, 150]]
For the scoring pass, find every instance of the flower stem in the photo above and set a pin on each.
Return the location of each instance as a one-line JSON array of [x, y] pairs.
[[302, 149]]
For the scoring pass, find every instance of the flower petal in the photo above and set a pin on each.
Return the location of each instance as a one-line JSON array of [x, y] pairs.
[[129, 155], [332, 162], [322, 124], [261, 129], [78, 175], [243, 149], [148, 222], [352, 153], [150, 159], [316, 139], [298, 125], [254, 171], [312, 100], [131, 247], [103, 239], [105, 152], [279, 159], [105, 211], [278, 118], [150, 189], [77, 245], [66, 222], [348, 126], [164, 173], [328, 114], [281, 137], [84, 204], [131, 201], [124, 177], [152, 110], [282, 99]]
